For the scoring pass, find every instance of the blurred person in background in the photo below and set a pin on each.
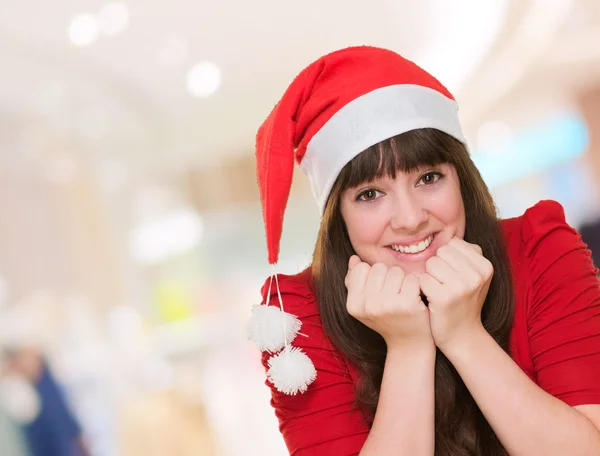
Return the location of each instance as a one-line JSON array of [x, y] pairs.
[[425, 325], [52, 430], [12, 442], [590, 233]]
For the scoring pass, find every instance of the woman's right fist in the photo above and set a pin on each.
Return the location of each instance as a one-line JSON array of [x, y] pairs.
[[389, 302]]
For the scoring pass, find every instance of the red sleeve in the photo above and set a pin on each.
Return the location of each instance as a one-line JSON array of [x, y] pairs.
[[564, 309], [324, 420]]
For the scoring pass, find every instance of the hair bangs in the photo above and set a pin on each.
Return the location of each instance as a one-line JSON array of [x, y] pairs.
[[406, 152]]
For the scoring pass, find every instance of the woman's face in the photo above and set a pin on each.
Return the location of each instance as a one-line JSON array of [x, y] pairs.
[[403, 221]]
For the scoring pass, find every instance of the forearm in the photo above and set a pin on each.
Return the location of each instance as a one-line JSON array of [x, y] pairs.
[[404, 421], [526, 419]]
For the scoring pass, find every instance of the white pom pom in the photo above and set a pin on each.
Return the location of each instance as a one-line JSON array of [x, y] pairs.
[[19, 399], [269, 328], [291, 371]]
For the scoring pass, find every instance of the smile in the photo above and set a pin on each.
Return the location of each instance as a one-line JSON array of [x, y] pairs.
[[414, 248]]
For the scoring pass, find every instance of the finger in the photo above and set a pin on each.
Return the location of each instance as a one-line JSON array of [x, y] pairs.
[[475, 248], [473, 253], [410, 286], [466, 247], [429, 286], [357, 278], [393, 280], [353, 261], [440, 270], [376, 278], [455, 258], [354, 305]]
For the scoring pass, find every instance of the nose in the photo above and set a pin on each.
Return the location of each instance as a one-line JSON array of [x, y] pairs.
[[408, 213]]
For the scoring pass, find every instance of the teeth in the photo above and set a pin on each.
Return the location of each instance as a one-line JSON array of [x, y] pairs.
[[415, 248]]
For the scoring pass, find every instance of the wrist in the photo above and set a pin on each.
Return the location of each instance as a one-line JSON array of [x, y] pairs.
[[405, 348], [419, 361], [464, 341]]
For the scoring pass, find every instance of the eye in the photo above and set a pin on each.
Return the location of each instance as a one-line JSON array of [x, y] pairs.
[[369, 194], [430, 177]]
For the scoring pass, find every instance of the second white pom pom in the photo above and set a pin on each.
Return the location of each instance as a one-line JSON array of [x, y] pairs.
[[291, 371]]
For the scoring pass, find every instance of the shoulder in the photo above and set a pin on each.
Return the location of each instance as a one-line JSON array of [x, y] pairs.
[[559, 294], [535, 219], [540, 227], [297, 292], [550, 254], [547, 255], [546, 222], [313, 397]]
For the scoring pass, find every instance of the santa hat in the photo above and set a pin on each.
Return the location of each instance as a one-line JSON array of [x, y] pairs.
[[340, 105]]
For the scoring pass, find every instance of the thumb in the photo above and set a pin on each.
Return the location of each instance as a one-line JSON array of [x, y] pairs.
[[353, 261]]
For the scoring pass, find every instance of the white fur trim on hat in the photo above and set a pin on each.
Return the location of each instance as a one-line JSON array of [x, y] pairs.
[[378, 115]]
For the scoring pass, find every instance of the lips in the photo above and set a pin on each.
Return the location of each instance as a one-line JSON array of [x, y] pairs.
[[413, 247], [421, 250]]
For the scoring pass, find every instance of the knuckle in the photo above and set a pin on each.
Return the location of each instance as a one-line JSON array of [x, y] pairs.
[[443, 249], [353, 307], [453, 241], [350, 306], [430, 263], [488, 269], [472, 281], [371, 311], [362, 267]]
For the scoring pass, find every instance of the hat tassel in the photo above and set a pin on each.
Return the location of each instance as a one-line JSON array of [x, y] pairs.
[[272, 330]]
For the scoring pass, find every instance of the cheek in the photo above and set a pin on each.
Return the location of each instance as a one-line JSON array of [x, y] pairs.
[[455, 213], [448, 207], [459, 213], [364, 231], [461, 222]]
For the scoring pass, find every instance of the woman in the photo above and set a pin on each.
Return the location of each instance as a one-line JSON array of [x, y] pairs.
[[424, 325]]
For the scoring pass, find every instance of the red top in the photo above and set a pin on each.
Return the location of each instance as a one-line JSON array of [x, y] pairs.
[[555, 338]]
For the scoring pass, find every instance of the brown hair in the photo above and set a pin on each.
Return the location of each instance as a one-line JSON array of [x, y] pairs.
[[460, 427]]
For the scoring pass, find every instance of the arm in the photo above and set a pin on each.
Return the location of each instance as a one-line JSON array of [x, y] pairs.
[[325, 420], [526, 419], [555, 416], [389, 302], [405, 413]]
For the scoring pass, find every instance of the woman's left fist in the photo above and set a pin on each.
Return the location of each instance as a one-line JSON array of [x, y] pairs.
[[456, 283]]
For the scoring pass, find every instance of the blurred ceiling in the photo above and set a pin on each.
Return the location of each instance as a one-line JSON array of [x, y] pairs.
[[117, 116], [123, 98]]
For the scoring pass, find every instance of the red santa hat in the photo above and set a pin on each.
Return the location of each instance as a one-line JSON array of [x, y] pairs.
[[340, 105], [337, 107]]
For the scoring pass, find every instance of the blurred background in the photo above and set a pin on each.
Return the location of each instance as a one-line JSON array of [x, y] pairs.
[[131, 237]]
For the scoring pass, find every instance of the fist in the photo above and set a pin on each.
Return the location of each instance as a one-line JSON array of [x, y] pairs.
[[389, 302], [456, 284]]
